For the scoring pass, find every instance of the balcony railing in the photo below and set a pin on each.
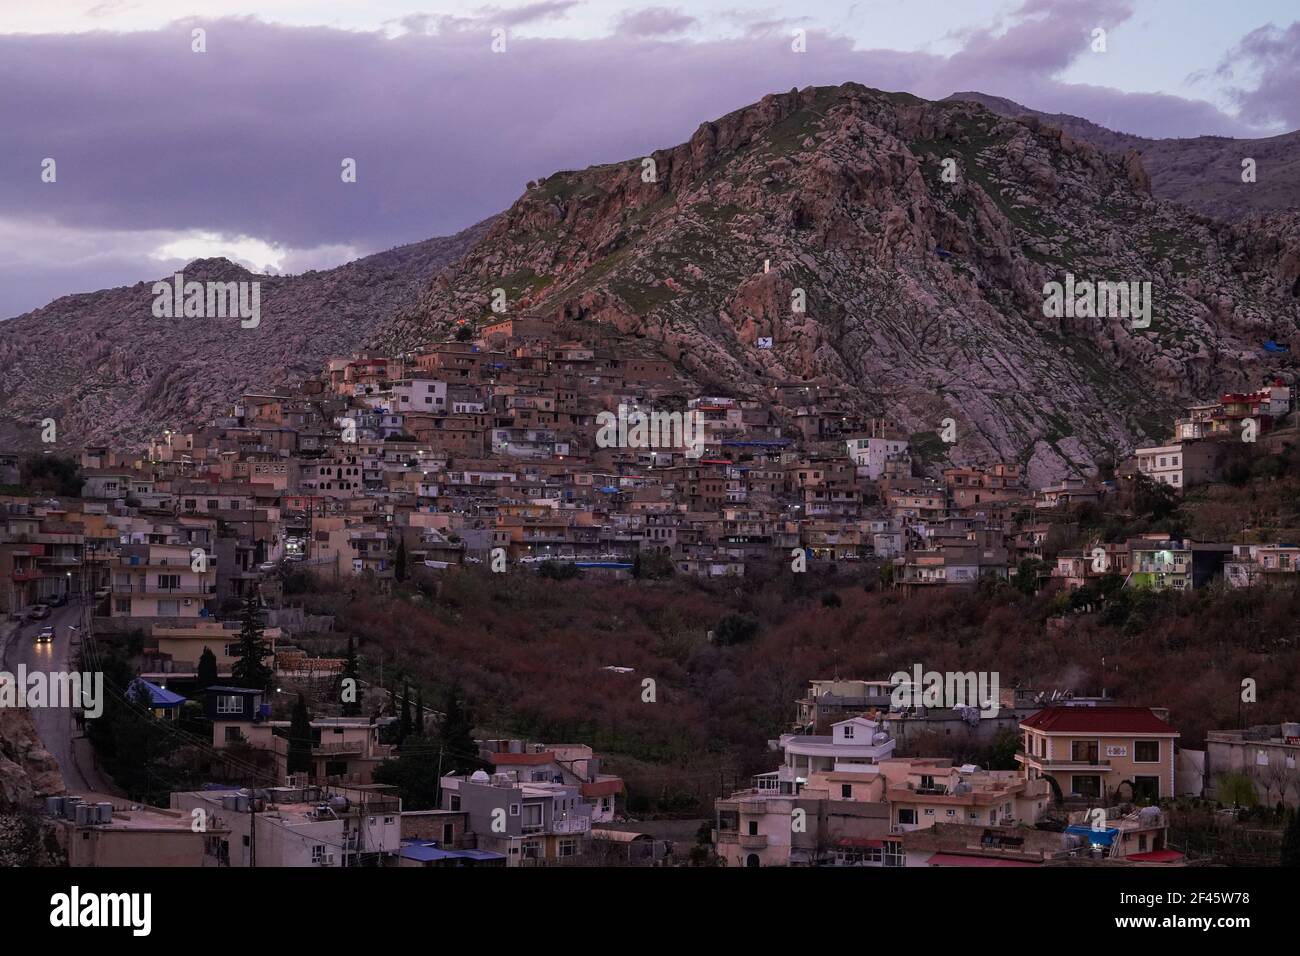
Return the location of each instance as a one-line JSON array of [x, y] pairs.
[[164, 589], [571, 825]]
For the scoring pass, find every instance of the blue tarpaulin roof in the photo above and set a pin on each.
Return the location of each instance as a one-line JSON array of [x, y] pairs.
[[159, 696], [1102, 837], [431, 853]]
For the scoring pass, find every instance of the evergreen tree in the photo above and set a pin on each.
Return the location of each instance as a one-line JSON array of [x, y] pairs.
[[207, 673], [352, 708], [460, 752], [300, 738], [419, 712], [414, 772], [249, 670], [404, 726], [399, 565]]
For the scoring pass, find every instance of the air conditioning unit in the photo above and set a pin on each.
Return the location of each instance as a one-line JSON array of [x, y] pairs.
[[327, 860], [188, 602]]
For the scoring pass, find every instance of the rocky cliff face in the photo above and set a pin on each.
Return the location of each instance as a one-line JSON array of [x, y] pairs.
[[1202, 173], [27, 770], [107, 370], [923, 296]]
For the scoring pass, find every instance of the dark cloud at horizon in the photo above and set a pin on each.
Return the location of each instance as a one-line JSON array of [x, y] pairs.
[[247, 138]]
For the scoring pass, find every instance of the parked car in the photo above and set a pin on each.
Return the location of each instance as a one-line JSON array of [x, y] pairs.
[[38, 612], [46, 635], [59, 600]]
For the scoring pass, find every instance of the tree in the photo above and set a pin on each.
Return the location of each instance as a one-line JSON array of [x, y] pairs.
[[1237, 789], [414, 772], [735, 629], [1291, 841], [404, 727], [460, 752], [399, 564], [207, 671], [250, 670], [352, 708], [1003, 752], [1028, 573], [52, 475], [419, 712], [299, 760]]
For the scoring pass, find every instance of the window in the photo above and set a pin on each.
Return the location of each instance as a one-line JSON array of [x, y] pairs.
[[1086, 785], [514, 809], [929, 811], [894, 853], [455, 801], [1084, 751], [906, 815], [530, 850], [846, 791], [230, 704], [317, 853], [848, 732], [233, 735], [1146, 751], [568, 847]]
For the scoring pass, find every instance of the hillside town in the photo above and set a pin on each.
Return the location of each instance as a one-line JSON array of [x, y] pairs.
[[510, 448]]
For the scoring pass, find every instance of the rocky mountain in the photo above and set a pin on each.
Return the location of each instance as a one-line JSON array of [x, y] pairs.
[[924, 297], [1202, 172], [26, 768], [106, 369]]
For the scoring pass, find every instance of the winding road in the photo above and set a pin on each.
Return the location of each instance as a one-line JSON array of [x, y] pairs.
[[56, 725]]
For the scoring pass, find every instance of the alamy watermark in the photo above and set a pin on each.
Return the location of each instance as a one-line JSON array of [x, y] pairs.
[[1098, 300], [53, 689], [934, 689], [634, 428], [208, 300]]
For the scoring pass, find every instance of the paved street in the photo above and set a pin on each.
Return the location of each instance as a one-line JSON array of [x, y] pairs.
[[56, 725]]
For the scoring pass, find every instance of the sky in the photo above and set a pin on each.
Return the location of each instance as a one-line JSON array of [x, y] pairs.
[[163, 154]]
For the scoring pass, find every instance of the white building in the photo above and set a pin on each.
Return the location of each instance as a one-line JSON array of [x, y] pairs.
[[875, 453]]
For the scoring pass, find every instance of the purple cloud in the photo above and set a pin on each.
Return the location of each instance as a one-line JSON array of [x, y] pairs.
[[248, 138], [1272, 55], [654, 22]]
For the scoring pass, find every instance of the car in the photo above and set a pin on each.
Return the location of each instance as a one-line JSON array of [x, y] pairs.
[[59, 600], [38, 612], [45, 636]]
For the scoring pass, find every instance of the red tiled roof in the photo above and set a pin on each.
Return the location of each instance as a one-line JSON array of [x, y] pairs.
[[602, 788], [1097, 720], [499, 760], [1156, 856]]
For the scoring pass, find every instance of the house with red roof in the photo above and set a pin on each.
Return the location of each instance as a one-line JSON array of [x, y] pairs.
[[1100, 753]]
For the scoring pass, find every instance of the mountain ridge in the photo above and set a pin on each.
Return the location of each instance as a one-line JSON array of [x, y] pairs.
[[923, 297], [120, 374]]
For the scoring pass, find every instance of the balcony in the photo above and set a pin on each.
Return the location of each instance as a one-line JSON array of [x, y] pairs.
[[1045, 763], [339, 747], [182, 589], [752, 841], [571, 825]]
